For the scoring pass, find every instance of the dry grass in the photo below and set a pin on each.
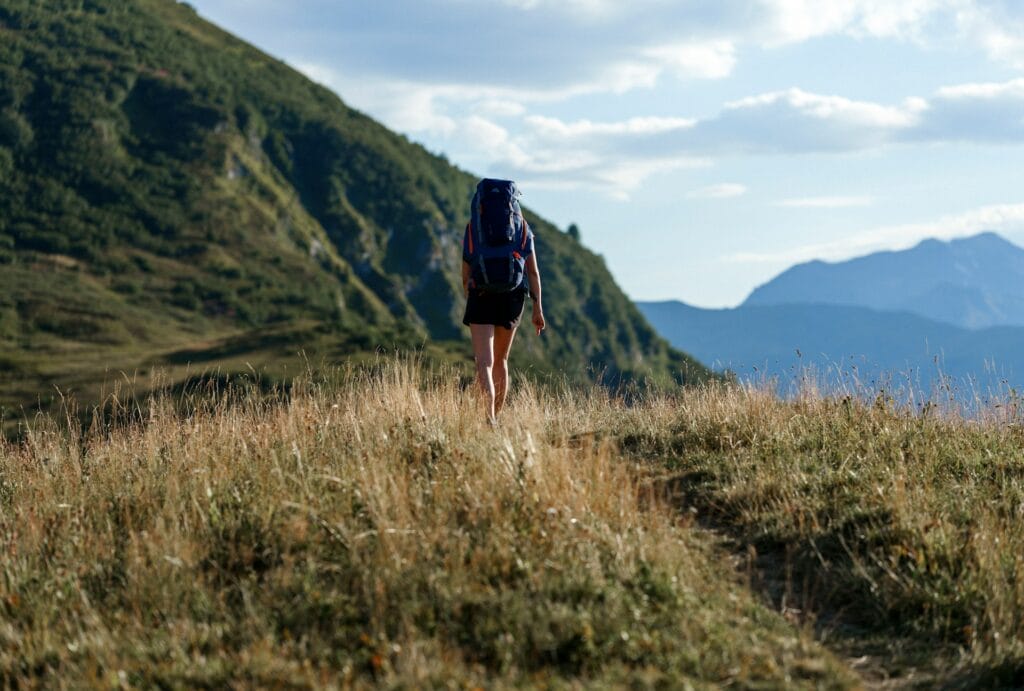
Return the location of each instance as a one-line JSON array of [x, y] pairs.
[[898, 527], [371, 530]]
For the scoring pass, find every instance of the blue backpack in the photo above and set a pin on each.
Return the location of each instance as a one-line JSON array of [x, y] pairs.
[[497, 236]]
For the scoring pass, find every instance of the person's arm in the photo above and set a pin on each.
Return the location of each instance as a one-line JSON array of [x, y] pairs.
[[533, 276], [466, 271]]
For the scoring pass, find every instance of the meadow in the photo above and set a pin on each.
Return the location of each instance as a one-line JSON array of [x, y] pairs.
[[365, 527]]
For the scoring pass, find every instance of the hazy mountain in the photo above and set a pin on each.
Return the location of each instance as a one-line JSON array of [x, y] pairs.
[[972, 282], [844, 344], [171, 195]]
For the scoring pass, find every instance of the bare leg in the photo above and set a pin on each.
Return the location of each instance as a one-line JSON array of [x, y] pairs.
[[502, 345], [483, 352]]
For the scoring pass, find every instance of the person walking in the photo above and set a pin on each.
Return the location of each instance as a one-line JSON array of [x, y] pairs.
[[499, 269]]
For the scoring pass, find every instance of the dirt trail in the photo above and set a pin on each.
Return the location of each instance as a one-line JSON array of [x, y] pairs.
[[797, 589]]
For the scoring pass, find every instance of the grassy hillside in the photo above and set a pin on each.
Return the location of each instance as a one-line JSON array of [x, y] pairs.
[[369, 528], [168, 191], [894, 533]]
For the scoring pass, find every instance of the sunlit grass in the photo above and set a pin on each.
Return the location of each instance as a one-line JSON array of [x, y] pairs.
[[900, 521], [368, 527]]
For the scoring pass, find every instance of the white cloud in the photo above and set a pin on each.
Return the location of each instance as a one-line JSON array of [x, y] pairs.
[[586, 8], [795, 121], [618, 179], [611, 47], [621, 180], [1013, 89], [545, 151], [403, 107], [793, 21], [617, 78], [605, 155], [1004, 46], [492, 141], [997, 26], [321, 74], [1007, 219], [980, 112], [837, 108], [563, 48], [836, 202], [707, 60], [501, 108], [494, 127], [553, 127], [725, 190]]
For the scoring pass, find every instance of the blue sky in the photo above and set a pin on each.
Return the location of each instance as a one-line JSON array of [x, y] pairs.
[[702, 146]]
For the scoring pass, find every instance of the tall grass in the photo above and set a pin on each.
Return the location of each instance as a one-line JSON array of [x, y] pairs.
[[369, 528], [893, 521]]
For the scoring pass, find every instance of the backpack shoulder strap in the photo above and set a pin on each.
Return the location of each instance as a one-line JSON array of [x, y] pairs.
[[475, 224]]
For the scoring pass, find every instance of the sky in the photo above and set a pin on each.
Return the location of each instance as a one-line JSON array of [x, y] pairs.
[[701, 146]]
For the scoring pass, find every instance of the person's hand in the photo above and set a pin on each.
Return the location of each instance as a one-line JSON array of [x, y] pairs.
[[538, 318]]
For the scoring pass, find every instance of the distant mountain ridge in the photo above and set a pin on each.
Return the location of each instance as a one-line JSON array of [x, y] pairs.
[[940, 311], [972, 282], [842, 343]]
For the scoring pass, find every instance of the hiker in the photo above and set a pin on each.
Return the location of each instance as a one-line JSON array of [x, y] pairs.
[[499, 269]]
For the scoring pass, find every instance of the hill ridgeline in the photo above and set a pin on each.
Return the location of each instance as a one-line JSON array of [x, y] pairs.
[[172, 197], [971, 282]]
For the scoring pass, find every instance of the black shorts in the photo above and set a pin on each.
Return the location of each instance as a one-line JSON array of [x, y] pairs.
[[499, 309]]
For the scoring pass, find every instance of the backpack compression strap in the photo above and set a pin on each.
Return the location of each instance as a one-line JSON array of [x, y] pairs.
[[476, 222]]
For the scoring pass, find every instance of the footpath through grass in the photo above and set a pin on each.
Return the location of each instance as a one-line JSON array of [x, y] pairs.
[[899, 534], [369, 531]]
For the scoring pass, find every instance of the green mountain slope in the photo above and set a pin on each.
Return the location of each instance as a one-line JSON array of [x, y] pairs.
[[171, 195]]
